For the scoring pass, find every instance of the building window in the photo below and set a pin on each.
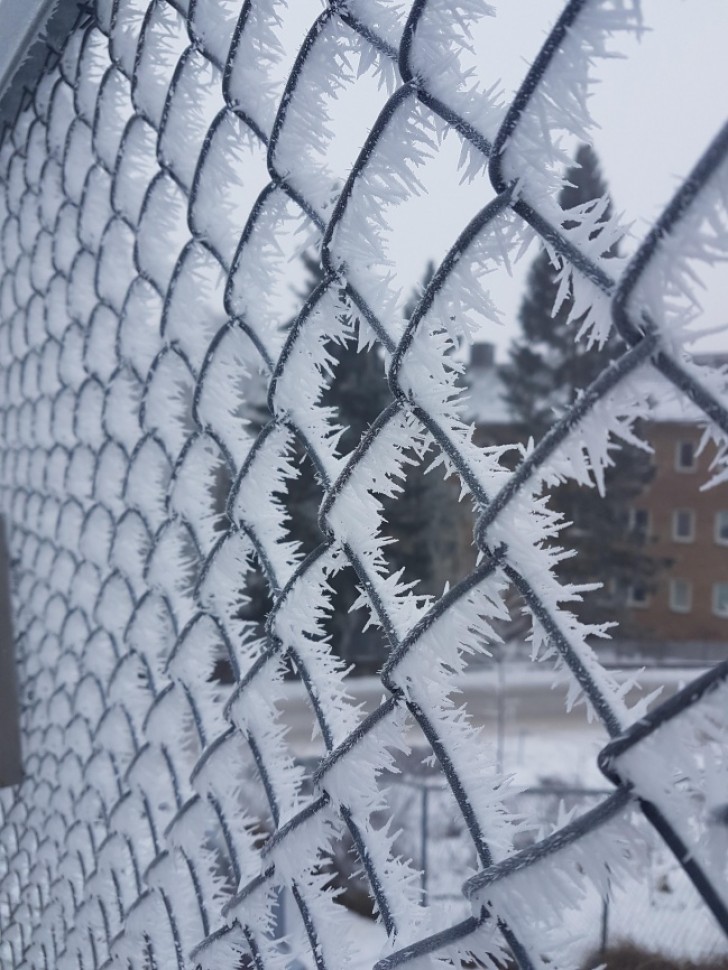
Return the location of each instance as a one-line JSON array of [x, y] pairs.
[[683, 525], [685, 460], [681, 595], [639, 521], [637, 596], [721, 527], [720, 599]]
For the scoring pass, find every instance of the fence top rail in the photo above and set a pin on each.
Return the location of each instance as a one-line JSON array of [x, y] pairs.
[[33, 32]]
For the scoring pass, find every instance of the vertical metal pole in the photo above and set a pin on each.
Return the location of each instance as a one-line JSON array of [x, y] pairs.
[[604, 938], [423, 835], [501, 714], [11, 768]]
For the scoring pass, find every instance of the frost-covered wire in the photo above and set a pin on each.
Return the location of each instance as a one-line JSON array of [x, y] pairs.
[[159, 384]]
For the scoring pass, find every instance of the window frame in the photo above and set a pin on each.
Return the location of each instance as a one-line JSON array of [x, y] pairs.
[[676, 537], [679, 467], [718, 538], [634, 527], [715, 599], [675, 607], [637, 604]]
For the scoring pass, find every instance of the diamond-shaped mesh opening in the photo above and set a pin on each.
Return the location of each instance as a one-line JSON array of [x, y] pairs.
[[358, 391], [430, 525], [359, 643], [337, 118], [264, 48], [256, 603], [302, 501], [412, 223], [655, 55], [242, 269]]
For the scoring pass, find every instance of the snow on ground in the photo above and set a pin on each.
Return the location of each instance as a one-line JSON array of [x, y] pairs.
[[536, 728], [549, 752], [673, 922]]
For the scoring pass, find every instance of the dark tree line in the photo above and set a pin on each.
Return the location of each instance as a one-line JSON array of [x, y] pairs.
[[546, 369], [422, 520]]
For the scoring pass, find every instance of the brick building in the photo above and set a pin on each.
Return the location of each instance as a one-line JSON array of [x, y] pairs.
[[685, 525]]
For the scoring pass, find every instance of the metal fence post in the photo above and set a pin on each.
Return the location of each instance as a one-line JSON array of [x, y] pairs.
[[11, 769]]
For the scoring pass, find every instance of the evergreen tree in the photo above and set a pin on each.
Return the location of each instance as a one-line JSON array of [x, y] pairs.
[[423, 519], [547, 367]]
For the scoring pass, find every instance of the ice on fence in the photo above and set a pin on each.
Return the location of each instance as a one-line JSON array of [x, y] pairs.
[[170, 380]]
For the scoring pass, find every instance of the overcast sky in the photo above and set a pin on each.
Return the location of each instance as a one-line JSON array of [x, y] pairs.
[[658, 108]]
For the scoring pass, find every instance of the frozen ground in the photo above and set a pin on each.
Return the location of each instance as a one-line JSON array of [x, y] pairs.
[[668, 919], [541, 746], [516, 704]]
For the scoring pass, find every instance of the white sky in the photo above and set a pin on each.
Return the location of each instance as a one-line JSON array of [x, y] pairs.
[[658, 108]]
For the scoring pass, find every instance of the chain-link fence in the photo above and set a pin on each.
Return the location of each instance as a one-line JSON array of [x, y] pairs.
[[661, 913], [157, 184]]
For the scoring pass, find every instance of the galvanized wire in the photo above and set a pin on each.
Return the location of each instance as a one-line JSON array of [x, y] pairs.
[[152, 187]]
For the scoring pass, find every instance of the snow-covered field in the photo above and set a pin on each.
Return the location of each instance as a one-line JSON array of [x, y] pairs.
[[516, 702], [663, 914]]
